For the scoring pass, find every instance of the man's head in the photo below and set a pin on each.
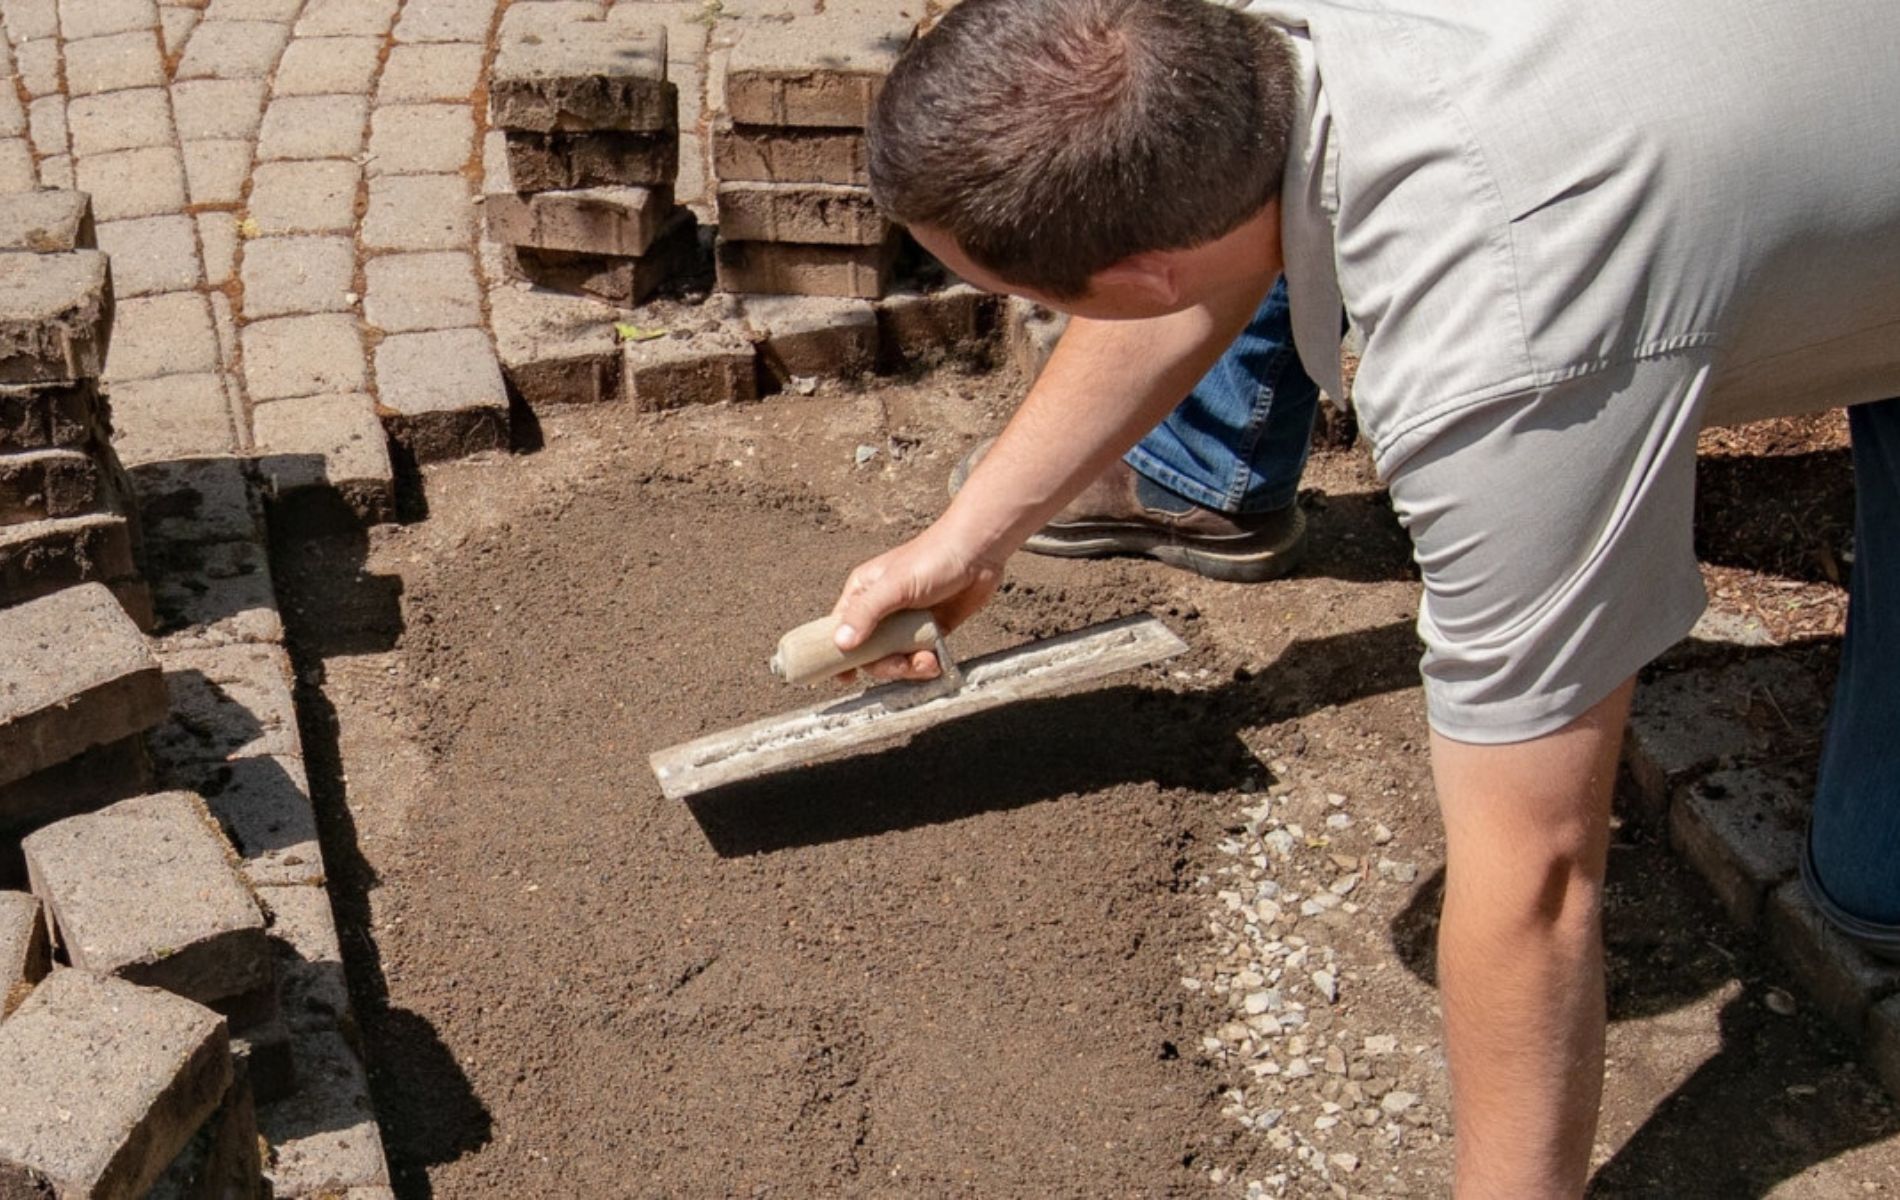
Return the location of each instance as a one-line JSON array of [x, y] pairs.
[[1051, 140]]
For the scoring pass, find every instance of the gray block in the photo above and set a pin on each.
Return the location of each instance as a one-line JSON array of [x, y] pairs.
[[213, 594], [418, 212], [346, 18], [169, 334], [97, 18], [78, 675], [1685, 723], [1744, 831], [173, 417], [290, 275], [789, 269], [55, 316], [445, 20], [764, 154], [309, 127], [40, 558], [227, 702], [1843, 980], [106, 1082], [705, 368], [100, 776], [221, 1161], [545, 162], [215, 172], [114, 63], [612, 278], [442, 394], [305, 197], [144, 890], [820, 71], [218, 109], [316, 447], [152, 254], [421, 139], [25, 955], [131, 120], [148, 182], [46, 222], [48, 415], [813, 335], [609, 220], [37, 484], [407, 293], [813, 214], [263, 805], [556, 349], [316, 991], [920, 328], [192, 501], [584, 75], [321, 66], [303, 356], [233, 50], [324, 1137], [432, 71]]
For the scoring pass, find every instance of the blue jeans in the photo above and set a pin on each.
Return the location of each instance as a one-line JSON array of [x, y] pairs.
[[1238, 442], [1853, 864]]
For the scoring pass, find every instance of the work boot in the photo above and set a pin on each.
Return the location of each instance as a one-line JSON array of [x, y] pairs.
[[1125, 512]]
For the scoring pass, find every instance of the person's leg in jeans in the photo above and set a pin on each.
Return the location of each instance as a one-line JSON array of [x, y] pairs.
[[1853, 865], [1238, 443]]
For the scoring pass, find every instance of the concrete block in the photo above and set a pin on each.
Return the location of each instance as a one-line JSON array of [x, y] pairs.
[[305, 197], [556, 349], [218, 238], [307, 127], [130, 120], [114, 63], [169, 334], [324, 1137], [418, 212], [39, 558], [37, 63], [78, 675], [1843, 980], [100, 776], [25, 955], [346, 18], [221, 1161], [233, 50], [215, 171], [316, 992], [545, 162], [1744, 831], [445, 21], [176, 24], [437, 71], [405, 293], [765, 154], [421, 139], [263, 1052], [45, 120], [622, 281], [30, 20], [441, 393], [215, 594], [328, 66], [303, 356], [921, 327], [46, 415], [46, 222], [580, 76], [788, 269], [106, 1082], [134, 183], [608, 220], [304, 274], [195, 501], [226, 703], [703, 368], [1686, 723], [228, 109], [174, 417], [150, 255], [816, 70], [97, 18], [145, 890], [320, 448], [263, 804], [812, 214], [55, 316], [545, 18], [282, 12], [38, 484], [813, 335]]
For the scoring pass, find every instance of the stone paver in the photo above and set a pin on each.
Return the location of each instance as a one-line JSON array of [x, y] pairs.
[[168, 334], [281, 11], [152, 254], [556, 349], [175, 26], [97, 18], [1745, 831], [25, 957], [178, 416], [813, 335], [226, 703], [318, 445], [303, 356], [405, 293], [445, 21], [129, 120], [31, 20], [305, 127], [304, 197], [346, 18], [46, 121], [319, 66], [218, 241], [215, 171], [218, 108], [134, 183], [110, 64], [287, 275], [436, 71], [420, 139], [233, 50], [55, 316], [592, 76], [1843, 981], [418, 212], [442, 393]]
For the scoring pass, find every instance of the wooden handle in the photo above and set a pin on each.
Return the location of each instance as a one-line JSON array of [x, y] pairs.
[[808, 653]]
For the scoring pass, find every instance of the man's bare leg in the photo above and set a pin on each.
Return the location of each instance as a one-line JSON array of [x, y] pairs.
[[1520, 951]]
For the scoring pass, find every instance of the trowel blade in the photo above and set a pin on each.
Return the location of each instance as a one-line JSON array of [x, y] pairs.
[[893, 710]]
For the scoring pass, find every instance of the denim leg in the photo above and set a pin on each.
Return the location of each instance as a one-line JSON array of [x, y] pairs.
[[1855, 840], [1238, 442]]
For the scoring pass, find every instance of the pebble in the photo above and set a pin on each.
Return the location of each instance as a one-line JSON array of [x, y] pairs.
[[1327, 985], [1381, 835], [1345, 1162], [1779, 1002], [1382, 1043], [864, 454], [1397, 1102]]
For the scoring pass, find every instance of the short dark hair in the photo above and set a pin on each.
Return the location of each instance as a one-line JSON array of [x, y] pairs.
[[1054, 138]]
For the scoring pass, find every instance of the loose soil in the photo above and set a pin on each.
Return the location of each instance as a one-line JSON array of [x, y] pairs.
[[955, 967]]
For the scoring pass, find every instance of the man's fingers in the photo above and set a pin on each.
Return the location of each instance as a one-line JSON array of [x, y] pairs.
[[868, 598], [919, 665]]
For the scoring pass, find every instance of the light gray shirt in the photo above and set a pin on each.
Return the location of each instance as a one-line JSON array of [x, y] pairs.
[[1571, 233]]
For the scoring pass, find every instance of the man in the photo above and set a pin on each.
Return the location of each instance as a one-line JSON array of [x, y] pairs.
[[1571, 233]]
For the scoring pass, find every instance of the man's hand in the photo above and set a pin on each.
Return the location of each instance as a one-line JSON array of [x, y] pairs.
[[928, 571]]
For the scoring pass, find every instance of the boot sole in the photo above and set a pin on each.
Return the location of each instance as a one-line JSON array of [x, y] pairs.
[[1236, 561]]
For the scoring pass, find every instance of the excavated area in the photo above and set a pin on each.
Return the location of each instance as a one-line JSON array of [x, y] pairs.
[[953, 967]]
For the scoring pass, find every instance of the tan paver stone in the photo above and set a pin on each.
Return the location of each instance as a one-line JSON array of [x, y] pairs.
[[442, 393], [114, 63], [37, 65], [233, 50], [152, 254], [623, 281], [320, 66], [30, 20], [305, 197], [308, 274], [41, 558], [218, 239], [706, 368], [41, 416], [264, 806], [920, 327], [346, 18], [306, 127], [51, 483], [1744, 831], [25, 957], [1843, 980], [814, 71], [134, 183], [218, 108], [445, 21], [168, 334], [406, 293], [812, 214], [543, 17], [333, 444], [175, 26], [47, 221], [783, 268], [57, 171], [541, 162], [281, 11], [215, 171], [303, 356], [433, 71], [191, 502], [576, 77], [813, 335], [55, 316], [420, 139], [324, 1136], [218, 594], [18, 172], [556, 349], [121, 121], [178, 416], [97, 18], [46, 122], [227, 703], [418, 212]]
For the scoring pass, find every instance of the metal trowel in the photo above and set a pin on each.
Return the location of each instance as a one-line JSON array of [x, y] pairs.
[[893, 710]]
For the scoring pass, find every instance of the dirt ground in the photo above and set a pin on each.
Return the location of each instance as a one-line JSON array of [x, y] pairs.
[[985, 963]]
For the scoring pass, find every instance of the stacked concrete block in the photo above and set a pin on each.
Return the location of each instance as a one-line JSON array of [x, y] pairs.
[[795, 214], [581, 183], [25, 956], [65, 515]]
